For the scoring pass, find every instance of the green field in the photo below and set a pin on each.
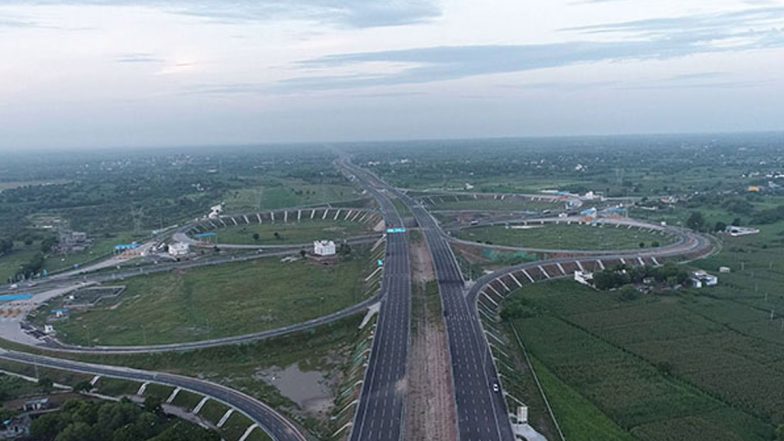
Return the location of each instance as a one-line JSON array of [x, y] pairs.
[[285, 193], [572, 237], [327, 349], [12, 262], [219, 301], [659, 367], [579, 419], [292, 233], [102, 247], [484, 204]]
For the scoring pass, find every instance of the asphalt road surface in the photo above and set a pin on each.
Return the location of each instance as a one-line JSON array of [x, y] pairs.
[[379, 416], [482, 413], [273, 423]]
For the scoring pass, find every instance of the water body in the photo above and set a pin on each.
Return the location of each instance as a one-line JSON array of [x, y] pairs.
[[308, 389], [15, 297]]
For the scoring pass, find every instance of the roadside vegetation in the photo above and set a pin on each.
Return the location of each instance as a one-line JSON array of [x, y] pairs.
[[219, 301], [327, 350]]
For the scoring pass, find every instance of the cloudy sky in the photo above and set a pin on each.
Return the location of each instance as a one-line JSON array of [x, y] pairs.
[[98, 73]]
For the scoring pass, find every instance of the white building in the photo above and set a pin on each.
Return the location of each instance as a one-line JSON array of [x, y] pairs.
[[324, 248], [215, 211], [583, 277], [179, 249], [736, 231], [701, 278]]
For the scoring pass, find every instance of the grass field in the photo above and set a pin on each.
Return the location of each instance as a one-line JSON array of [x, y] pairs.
[[292, 233], [102, 246], [507, 204], [573, 237], [12, 262], [661, 368], [284, 193], [219, 301]]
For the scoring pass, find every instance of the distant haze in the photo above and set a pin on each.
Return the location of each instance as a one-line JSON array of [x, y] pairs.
[[104, 73]]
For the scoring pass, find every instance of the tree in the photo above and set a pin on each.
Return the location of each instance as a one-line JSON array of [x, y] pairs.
[[48, 243], [47, 426], [720, 226], [186, 432], [780, 433], [256, 237], [696, 221], [303, 253], [642, 244], [46, 384], [6, 246], [277, 235], [153, 405], [83, 386], [77, 432]]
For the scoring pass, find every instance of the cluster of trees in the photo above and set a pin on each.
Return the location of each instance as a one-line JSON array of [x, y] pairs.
[[769, 215], [697, 222], [32, 268], [623, 275], [110, 421], [517, 307], [6, 246]]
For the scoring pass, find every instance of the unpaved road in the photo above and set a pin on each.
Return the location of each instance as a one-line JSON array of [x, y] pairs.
[[430, 411]]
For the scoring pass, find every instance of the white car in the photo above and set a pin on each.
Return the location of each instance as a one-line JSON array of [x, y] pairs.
[[495, 387]]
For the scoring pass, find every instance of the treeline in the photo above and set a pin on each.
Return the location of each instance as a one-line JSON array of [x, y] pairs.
[[769, 215], [110, 421], [616, 277]]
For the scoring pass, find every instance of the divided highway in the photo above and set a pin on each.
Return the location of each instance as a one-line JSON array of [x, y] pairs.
[[482, 413], [379, 416]]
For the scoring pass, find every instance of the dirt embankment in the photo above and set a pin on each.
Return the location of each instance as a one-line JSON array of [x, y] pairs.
[[430, 408]]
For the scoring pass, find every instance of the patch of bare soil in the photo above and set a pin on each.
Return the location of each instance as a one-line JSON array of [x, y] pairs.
[[430, 406]]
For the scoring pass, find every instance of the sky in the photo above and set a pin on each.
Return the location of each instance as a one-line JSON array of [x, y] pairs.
[[128, 73]]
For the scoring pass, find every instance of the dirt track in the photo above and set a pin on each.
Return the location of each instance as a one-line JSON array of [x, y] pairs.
[[430, 412]]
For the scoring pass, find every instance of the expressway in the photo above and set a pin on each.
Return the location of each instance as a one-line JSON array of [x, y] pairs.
[[277, 426], [482, 413], [379, 416]]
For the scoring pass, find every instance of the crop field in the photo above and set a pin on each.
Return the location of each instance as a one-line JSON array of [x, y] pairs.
[[691, 365], [219, 301], [285, 193], [292, 233], [574, 237]]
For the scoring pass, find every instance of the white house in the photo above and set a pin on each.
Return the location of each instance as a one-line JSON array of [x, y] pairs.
[[583, 277], [215, 211], [736, 231], [701, 278], [324, 248], [179, 249]]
